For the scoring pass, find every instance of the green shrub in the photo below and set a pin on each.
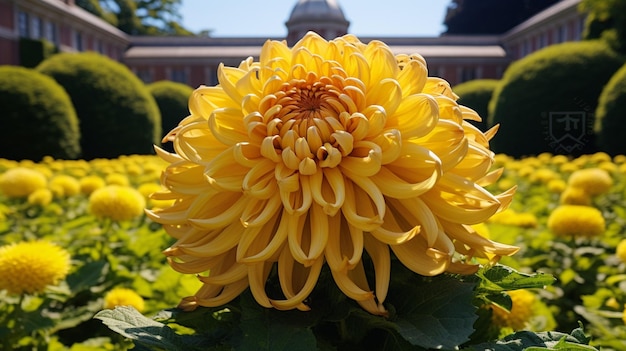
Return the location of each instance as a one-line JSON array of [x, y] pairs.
[[117, 114], [33, 51], [546, 101], [611, 115], [37, 115], [476, 94], [173, 101]]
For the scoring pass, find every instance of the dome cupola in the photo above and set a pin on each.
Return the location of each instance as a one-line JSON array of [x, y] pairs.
[[324, 17]]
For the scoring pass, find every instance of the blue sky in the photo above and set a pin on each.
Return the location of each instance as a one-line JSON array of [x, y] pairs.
[[267, 17]]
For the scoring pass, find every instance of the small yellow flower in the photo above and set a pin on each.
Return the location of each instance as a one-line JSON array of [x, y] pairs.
[[40, 197], [89, 184], [556, 186], [512, 218], [619, 159], [569, 167], [559, 159], [123, 297], [620, 251], [543, 175], [575, 196], [116, 202], [21, 182], [600, 157], [520, 314], [117, 179], [593, 180], [66, 185], [29, 267], [575, 220]]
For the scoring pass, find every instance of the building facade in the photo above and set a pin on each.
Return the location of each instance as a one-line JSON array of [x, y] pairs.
[[194, 60]]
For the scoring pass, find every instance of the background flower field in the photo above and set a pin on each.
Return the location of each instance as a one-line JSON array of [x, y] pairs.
[[120, 251]]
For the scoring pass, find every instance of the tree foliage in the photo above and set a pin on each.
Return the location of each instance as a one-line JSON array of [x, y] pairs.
[[606, 20], [490, 16], [139, 17]]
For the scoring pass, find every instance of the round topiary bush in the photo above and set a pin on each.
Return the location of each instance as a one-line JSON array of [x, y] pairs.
[[37, 115], [476, 94], [117, 114], [173, 101], [611, 115], [546, 101]]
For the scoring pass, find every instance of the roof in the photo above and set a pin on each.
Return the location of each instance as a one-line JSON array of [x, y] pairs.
[[316, 10]]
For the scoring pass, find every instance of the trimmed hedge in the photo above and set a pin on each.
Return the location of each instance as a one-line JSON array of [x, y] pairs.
[[33, 51], [611, 115], [37, 116], [546, 101], [173, 101], [117, 114], [476, 94]]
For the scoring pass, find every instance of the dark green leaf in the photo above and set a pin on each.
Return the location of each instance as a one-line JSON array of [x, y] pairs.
[[266, 329], [529, 341], [437, 313], [87, 276]]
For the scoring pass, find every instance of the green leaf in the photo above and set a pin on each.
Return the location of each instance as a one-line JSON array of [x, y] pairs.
[[530, 341], [87, 276], [128, 322], [502, 278], [268, 329], [437, 313]]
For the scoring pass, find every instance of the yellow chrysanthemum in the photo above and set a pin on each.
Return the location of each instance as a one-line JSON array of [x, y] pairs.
[[117, 179], [569, 167], [556, 186], [620, 251], [593, 180], [64, 185], [510, 217], [89, 184], [575, 196], [575, 220], [520, 314], [559, 159], [118, 203], [21, 182], [619, 159], [40, 197], [543, 175], [315, 154], [29, 267], [123, 297]]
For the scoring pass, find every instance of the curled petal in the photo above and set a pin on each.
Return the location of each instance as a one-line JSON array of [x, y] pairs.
[[345, 244], [379, 253], [328, 190], [309, 241], [296, 280]]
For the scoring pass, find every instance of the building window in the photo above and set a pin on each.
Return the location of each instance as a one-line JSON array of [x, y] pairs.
[[543, 40], [525, 48], [178, 75], [50, 32], [37, 27], [467, 73], [562, 33], [145, 74], [78, 41], [23, 26]]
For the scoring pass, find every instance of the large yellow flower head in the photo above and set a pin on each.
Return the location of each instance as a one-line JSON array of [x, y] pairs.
[[21, 182], [576, 220], [315, 154], [29, 267], [119, 203]]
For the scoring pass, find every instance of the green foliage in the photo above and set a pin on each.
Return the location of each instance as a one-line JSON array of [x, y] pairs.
[[37, 116], [476, 94], [425, 313], [489, 16], [538, 88], [173, 101], [611, 115], [139, 17], [606, 20], [33, 51], [117, 114]]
